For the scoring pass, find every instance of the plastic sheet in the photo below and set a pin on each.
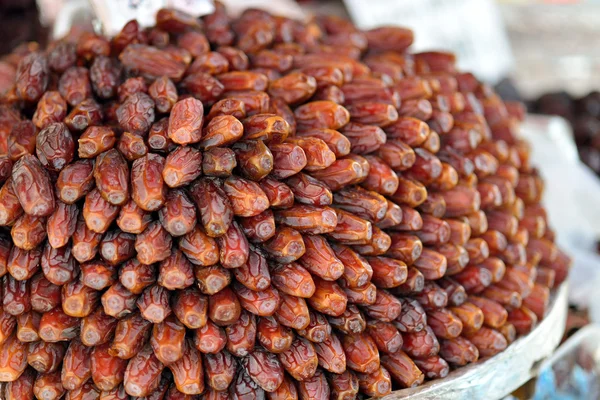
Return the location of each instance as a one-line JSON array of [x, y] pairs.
[[573, 372], [572, 195]]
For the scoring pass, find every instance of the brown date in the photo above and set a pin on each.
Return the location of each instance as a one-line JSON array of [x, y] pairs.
[[75, 181], [76, 368], [210, 339], [108, 371], [32, 186], [13, 359], [46, 357], [117, 301], [97, 328], [131, 334], [142, 375]]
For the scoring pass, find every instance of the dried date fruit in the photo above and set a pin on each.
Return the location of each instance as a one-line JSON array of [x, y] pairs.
[[185, 122], [131, 334], [32, 77], [221, 130], [51, 108], [178, 216], [76, 368], [61, 224], [152, 62], [32, 186], [75, 181], [118, 302], [224, 307], [97, 328], [213, 204], [74, 85], [108, 371], [111, 173], [154, 244], [191, 308], [136, 114], [147, 185], [142, 375]]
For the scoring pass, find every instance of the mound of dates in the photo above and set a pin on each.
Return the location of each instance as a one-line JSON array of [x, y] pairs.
[[257, 208]]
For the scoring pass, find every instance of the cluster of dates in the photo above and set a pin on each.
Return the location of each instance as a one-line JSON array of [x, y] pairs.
[[258, 208], [584, 116]]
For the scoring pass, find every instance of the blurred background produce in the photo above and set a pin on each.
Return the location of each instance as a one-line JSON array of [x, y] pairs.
[[19, 23]]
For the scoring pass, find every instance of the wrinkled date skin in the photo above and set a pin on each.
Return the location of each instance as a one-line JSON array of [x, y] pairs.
[[32, 186]]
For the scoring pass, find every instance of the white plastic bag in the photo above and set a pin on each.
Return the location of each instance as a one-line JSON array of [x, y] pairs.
[[572, 198]]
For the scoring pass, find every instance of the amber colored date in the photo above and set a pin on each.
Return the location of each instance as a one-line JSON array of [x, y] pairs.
[[147, 186], [386, 336], [357, 271], [55, 147], [181, 167], [117, 247], [22, 387], [219, 369], [213, 204], [224, 307], [264, 368], [344, 171], [98, 213], [261, 303], [286, 246], [46, 357], [444, 323], [117, 301], [328, 298], [79, 300], [523, 319], [108, 371], [48, 386], [143, 373], [185, 122], [402, 369], [13, 359], [387, 272], [44, 295], [153, 304], [300, 360], [76, 368], [431, 264], [274, 336], [10, 207], [210, 339], [32, 186], [16, 296], [154, 244], [412, 318], [488, 341], [97, 328], [21, 139], [494, 314], [405, 247], [21, 264], [218, 162], [111, 173], [246, 197], [351, 229], [168, 340], [259, 228], [254, 159]]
